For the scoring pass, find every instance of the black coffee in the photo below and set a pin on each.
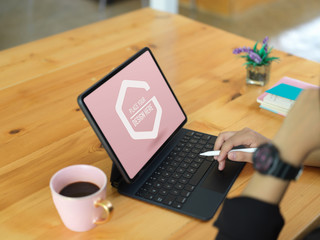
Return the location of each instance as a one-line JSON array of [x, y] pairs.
[[79, 189]]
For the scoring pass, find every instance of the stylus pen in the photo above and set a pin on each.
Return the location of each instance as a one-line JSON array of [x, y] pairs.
[[216, 153]]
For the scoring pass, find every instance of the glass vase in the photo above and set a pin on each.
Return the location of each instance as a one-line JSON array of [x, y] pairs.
[[258, 75]]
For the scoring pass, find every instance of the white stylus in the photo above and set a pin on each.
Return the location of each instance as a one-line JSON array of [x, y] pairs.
[[216, 153]]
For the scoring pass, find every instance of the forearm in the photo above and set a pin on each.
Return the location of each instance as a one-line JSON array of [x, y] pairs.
[[266, 188], [313, 159]]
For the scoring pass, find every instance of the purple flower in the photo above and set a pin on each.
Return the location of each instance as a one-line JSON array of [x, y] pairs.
[[246, 49], [265, 41], [237, 50], [255, 57], [240, 50]]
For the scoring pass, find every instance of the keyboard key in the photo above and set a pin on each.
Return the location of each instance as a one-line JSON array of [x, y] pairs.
[[183, 180], [185, 193], [169, 200], [157, 185], [179, 186], [209, 146], [162, 179], [148, 183], [159, 198], [193, 140], [149, 196], [170, 169], [177, 149], [187, 175], [200, 146], [212, 140], [186, 149], [182, 154], [175, 163], [177, 205], [168, 186], [191, 170], [173, 154], [181, 199], [176, 175], [186, 138], [175, 192], [180, 170], [172, 181], [198, 160], [189, 187], [190, 145], [153, 190], [196, 151], [190, 133], [184, 165], [206, 137], [163, 192], [195, 165]]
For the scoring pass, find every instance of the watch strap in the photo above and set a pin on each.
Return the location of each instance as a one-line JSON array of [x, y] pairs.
[[286, 171]]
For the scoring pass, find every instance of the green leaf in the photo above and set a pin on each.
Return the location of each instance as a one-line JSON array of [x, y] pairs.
[[262, 49], [271, 59], [264, 55], [255, 46]]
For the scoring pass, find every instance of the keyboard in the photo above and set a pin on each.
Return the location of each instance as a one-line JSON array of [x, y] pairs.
[[177, 176]]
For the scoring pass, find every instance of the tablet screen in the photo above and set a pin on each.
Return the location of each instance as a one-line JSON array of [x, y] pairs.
[[136, 111]]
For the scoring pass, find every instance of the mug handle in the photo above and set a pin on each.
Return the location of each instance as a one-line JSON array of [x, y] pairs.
[[108, 208]]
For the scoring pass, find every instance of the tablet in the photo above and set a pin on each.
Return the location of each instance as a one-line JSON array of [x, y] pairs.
[[134, 113]]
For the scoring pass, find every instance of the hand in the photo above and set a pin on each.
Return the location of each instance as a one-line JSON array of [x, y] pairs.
[[299, 134], [228, 140]]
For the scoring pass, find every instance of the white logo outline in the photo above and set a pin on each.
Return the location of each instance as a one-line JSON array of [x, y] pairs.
[[138, 135]]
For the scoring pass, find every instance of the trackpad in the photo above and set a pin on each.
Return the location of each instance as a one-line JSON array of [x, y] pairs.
[[220, 181]]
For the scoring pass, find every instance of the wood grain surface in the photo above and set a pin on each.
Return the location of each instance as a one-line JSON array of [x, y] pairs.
[[43, 129]]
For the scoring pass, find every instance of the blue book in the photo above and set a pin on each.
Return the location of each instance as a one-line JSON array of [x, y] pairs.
[[285, 91]]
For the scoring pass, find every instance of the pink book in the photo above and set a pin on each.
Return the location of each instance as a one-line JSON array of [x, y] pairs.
[[289, 81]]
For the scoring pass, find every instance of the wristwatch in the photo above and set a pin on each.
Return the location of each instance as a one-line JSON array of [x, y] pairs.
[[267, 160]]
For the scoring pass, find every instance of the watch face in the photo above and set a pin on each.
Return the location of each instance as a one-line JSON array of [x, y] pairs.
[[263, 159]]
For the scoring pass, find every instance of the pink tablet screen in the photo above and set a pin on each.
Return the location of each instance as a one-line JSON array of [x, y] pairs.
[[136, 111]]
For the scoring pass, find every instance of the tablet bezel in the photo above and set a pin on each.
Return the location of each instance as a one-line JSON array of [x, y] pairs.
[[100, 134]]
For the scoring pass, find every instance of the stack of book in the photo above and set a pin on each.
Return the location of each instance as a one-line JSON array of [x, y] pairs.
[[281, 97]]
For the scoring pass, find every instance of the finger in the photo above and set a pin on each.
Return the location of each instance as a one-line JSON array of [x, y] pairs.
[[222, 164], [221, 139], [224, 151], [240, 156]]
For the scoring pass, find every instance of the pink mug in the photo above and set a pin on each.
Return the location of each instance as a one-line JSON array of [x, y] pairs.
[[83, 213]]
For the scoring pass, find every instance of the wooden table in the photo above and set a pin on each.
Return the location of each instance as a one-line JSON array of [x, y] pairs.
[[43, 130]]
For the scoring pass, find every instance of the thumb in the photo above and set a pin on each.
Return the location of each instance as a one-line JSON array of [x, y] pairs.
[[240, 156]]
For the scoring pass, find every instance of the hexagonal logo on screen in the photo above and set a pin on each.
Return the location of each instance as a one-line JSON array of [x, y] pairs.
[[140, 114]]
